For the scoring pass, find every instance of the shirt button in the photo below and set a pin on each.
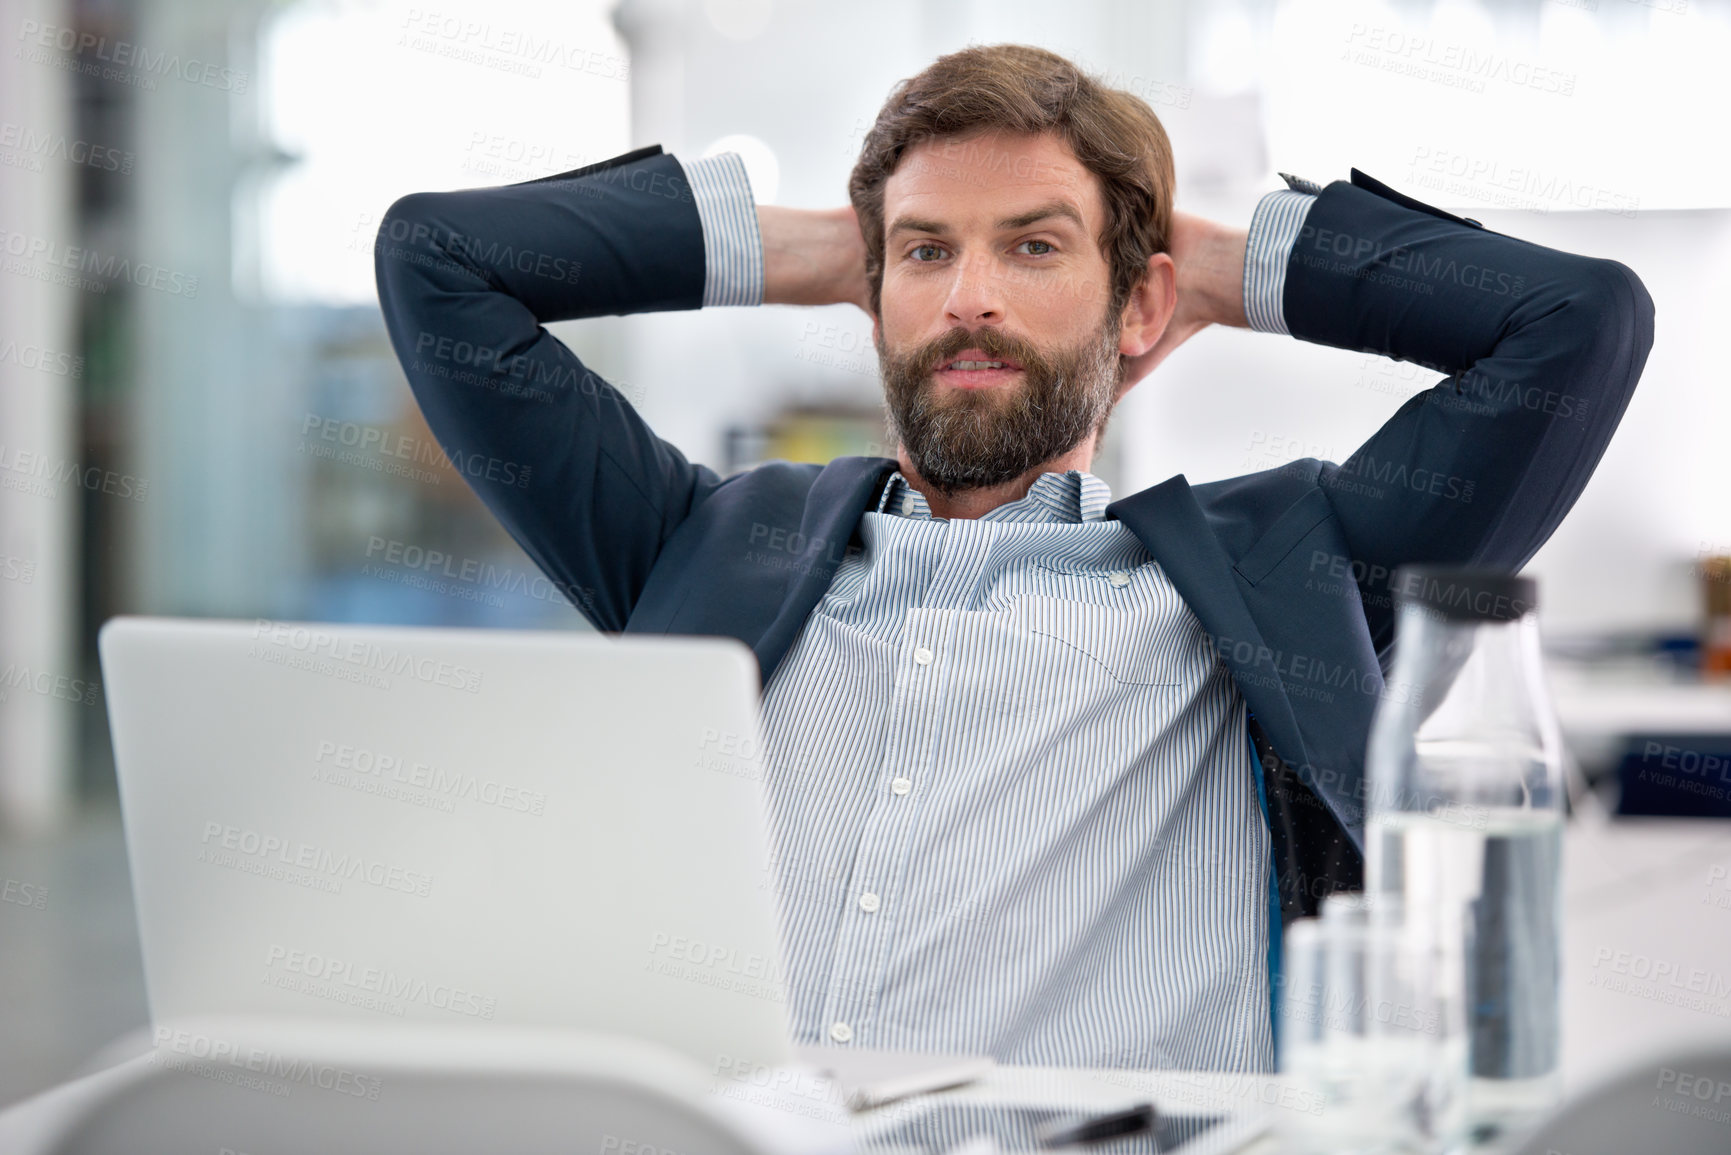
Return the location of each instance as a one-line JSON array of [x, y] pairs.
[[907, 505], [1119, 578], [902, 785], [923, 656], [868, 902], [840, 1032]]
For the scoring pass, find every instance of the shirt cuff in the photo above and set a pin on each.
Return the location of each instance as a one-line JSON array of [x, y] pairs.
[[732, 246], [1273, 232]]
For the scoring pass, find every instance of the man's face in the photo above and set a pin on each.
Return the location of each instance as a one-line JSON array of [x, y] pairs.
[[998, 348]]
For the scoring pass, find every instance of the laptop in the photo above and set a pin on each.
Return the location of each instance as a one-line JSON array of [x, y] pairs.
[[398, 825]]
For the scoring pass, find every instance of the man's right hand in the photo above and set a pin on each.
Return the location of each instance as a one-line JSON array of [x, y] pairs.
[[813, 257]]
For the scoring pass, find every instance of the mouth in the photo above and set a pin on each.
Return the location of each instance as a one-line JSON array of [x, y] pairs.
[[972, 369]]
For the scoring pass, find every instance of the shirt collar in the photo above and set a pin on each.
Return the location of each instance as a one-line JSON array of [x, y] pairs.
[[1073, 496]]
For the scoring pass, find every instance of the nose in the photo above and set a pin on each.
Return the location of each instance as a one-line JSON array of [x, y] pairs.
[[976, 294]]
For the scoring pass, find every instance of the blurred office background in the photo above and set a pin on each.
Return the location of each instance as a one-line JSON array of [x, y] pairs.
[[200, 413]]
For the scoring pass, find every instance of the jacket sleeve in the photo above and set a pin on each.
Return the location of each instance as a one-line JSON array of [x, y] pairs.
[[1542, 349], [467, 281]]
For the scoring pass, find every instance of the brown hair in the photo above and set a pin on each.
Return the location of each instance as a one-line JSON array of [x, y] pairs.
[[1021, 89]]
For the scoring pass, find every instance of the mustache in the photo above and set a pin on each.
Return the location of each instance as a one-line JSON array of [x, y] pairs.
[[993, 342]]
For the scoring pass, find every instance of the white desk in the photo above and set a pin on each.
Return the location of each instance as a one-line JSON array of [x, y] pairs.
[[1641, 891], [1636, 889]]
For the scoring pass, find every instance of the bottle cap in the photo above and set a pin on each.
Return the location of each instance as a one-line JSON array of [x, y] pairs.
[[1466, 595]]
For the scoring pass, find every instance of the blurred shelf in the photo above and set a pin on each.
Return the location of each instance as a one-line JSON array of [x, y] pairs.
[[1605, 703]]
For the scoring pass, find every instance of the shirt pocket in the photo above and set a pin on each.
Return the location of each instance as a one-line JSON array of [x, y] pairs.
[[1126, 645]]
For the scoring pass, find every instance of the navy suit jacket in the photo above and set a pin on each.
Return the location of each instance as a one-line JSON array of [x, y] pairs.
[[1288, 570]]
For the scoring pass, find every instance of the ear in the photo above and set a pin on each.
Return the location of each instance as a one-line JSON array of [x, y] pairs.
[[1146, 319], [1150, 307]]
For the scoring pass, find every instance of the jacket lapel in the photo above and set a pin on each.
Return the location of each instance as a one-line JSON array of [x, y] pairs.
[[839, 498], [1170, 523]]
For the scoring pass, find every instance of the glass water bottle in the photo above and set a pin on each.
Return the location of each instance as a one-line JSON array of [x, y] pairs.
[[1465, 817]]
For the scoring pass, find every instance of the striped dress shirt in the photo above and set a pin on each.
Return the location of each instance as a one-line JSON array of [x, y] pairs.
[[1013, 803]]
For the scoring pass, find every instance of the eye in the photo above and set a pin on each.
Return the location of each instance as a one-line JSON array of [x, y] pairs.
[[929, 250], [1040, 253]]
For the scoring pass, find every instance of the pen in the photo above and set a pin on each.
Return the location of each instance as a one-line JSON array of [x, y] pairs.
[[1131, 1121]]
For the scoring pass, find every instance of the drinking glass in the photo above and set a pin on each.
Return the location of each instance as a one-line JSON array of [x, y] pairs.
[[1373, 1031]]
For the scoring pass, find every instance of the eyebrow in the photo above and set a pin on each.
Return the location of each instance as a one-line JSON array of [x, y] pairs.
[[1063, 210]]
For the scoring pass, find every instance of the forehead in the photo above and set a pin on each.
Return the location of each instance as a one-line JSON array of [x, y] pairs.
[[957, 179]]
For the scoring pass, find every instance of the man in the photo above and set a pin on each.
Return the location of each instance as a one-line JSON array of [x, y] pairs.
[[1047, 771]]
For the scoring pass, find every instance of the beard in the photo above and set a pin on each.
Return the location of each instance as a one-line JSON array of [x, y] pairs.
[[979, 438]]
